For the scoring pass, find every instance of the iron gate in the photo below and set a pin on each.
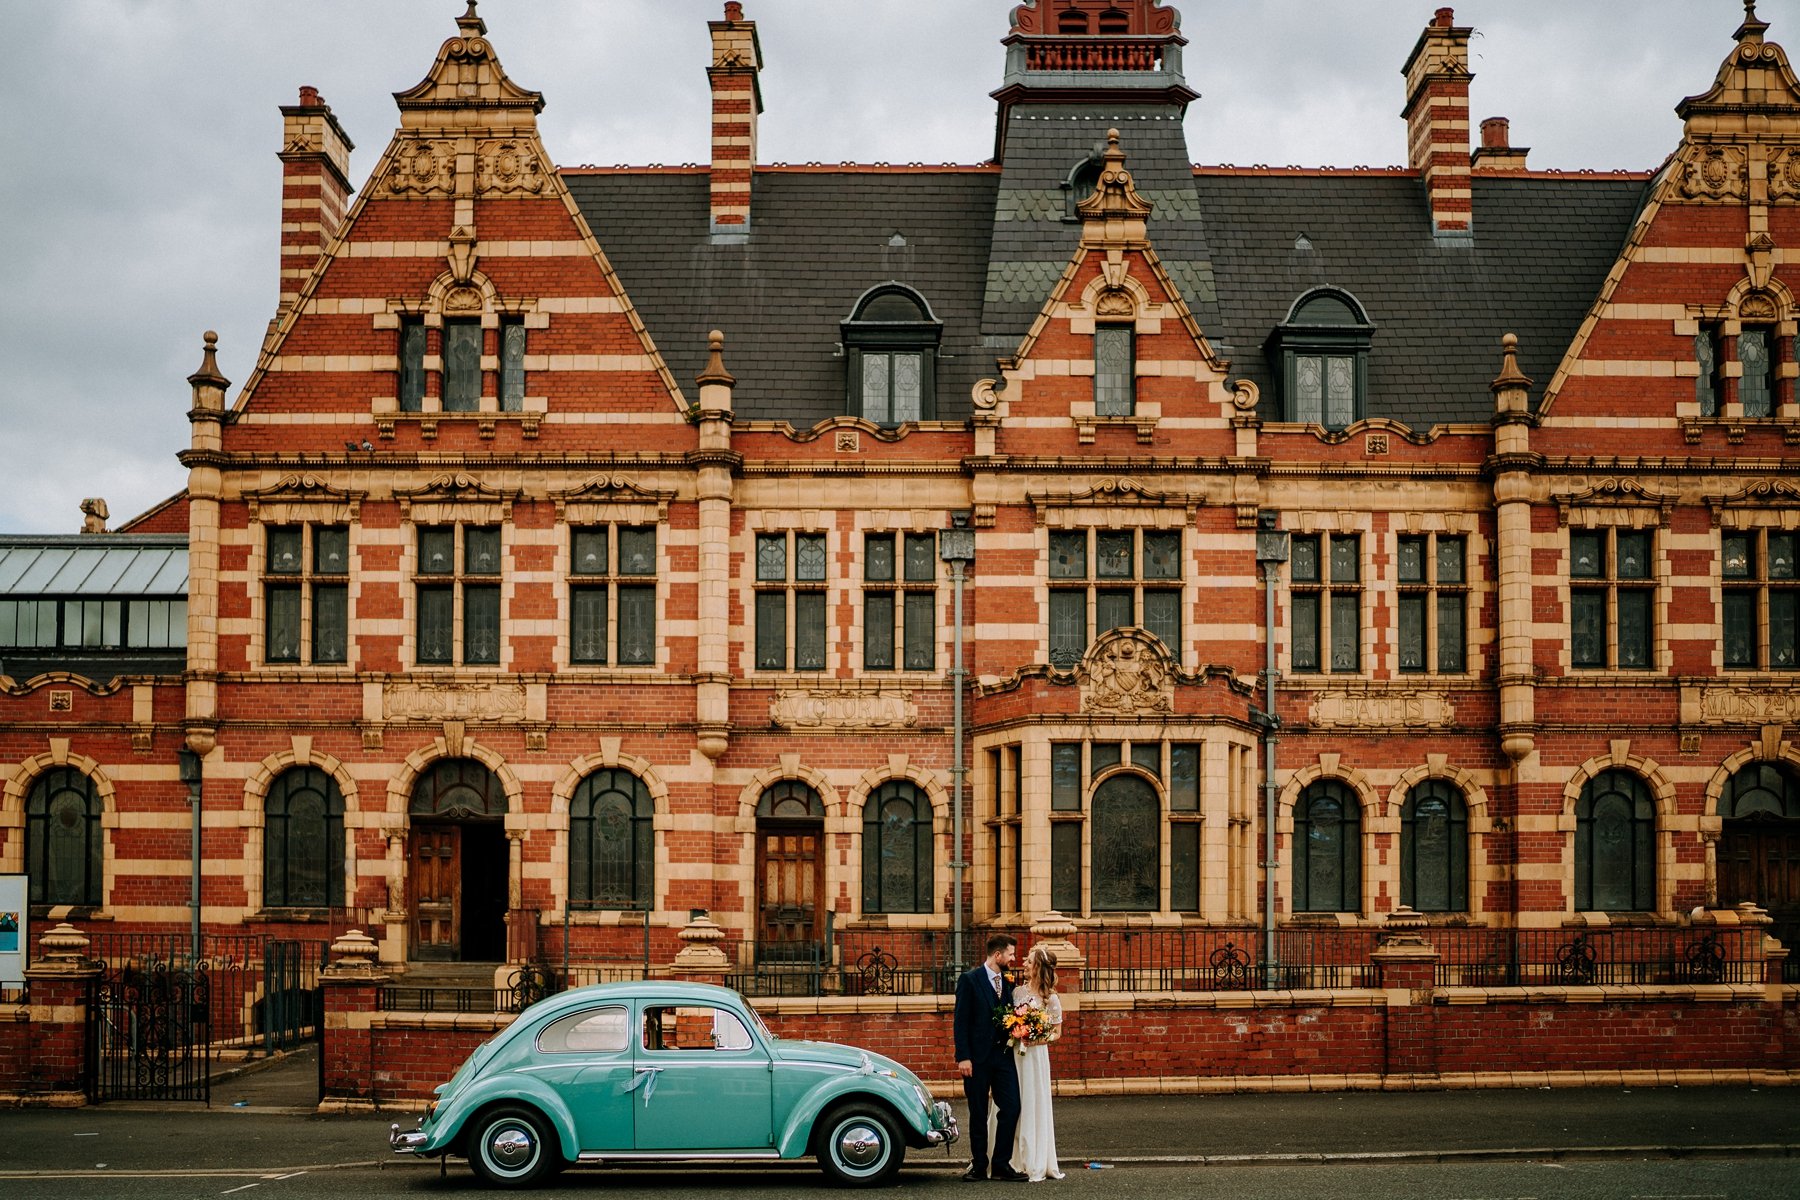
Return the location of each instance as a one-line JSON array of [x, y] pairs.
[[149, 1032]]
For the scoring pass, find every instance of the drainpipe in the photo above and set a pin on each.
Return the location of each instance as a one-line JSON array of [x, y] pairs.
[[190, 775], [1271, 552], [956, 546]]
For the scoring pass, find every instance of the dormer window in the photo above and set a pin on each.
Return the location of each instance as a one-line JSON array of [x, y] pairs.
[[1115, 368], [890, 344], [1323, 352]]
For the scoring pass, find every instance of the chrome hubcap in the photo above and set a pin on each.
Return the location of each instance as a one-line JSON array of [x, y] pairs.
[[510, 1147], [859, 1146]]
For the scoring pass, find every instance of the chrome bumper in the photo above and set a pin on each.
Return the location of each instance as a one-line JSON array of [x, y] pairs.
[[406, 1142], [947, 1130]]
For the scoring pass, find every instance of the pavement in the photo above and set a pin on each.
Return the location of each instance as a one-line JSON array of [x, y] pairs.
[[270, 1106]]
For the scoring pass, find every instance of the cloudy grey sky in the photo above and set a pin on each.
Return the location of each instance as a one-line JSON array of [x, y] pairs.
[[140, 201]]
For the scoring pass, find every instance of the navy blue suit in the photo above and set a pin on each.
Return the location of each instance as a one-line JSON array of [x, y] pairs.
[[982, 1043]]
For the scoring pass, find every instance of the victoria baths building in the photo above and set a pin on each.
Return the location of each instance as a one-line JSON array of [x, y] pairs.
[[590, 546]]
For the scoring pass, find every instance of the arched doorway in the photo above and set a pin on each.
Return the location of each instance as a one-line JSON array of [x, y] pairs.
[[790, 873], [458, 874], [1759, 844]]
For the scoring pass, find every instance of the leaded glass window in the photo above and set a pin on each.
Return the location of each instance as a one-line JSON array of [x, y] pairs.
[[897, 850], [1761, 789], [1327, 854], [412, 364], [1612, 595], [512, 364], [1065, 777], [1615, 845], [1432, 603], [1756, 388], [790, 580], [1325, 592], [1065, 866], [1708, 384], [1324, 349], [303, 841], [911, 599], [457, 594], [612, 603], [1434, 848], [306, 594], [1121, 589], [1184, 866], [1184, 777], [458, 789], [63, 839], [890, 343], [1127, 850], [1759, 600], [462, 365], [612, 842], [1115, 391]]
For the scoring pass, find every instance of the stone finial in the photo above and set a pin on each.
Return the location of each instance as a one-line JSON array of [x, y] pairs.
[[63, 943], [93, 515], [734, 11], [1510, 376], [1115, 194], [1052, 931], [700, 952], [1750, 913], [209, 365], [1754, 27], [356, 948], [715, 371], [471, 23]]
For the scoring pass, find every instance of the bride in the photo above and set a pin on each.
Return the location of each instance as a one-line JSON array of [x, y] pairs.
[[1034, 1146]]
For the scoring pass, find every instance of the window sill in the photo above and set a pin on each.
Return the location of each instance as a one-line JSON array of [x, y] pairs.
[[485, 422], [292, 916], [635, 918], [56, 913]]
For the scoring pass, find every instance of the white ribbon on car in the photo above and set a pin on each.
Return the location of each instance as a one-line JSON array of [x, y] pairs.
[[645, 1079]]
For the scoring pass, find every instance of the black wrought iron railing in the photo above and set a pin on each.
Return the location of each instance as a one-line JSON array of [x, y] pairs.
[[263, 991], [1612, 955]]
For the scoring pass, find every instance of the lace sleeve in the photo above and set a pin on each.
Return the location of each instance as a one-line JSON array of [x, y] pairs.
[[1054, 1009]]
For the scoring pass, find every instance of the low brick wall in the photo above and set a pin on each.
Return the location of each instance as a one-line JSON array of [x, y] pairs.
[[1233, 1040]]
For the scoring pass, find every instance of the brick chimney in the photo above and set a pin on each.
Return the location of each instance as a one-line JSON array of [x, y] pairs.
[[315, 187], [1437, 120], [1496, 152], [736, 102]]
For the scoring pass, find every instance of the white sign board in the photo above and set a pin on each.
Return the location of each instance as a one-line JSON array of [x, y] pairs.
[[12, 931]]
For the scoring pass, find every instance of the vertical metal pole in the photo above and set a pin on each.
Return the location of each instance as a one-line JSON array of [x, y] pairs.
[[1269, 864], [191, 773], [957, 862]]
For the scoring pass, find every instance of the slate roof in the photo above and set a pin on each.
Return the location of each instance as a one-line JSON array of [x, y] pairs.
[[984, 246], [819, 240], [1540, 250]]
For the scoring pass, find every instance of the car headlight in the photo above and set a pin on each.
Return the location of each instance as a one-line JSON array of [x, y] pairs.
[[923, 1095]]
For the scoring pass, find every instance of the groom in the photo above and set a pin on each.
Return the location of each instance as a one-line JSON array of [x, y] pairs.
[[983, 1059]]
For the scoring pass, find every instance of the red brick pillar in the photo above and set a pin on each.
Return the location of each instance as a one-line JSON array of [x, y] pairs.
[[58, 986], [350, 984], [1406, 969]]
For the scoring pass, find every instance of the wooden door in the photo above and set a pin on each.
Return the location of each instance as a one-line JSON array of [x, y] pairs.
[[1759, 860], [790, 873], [436, 875]]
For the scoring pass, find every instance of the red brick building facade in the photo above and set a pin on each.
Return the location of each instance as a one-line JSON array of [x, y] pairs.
[[522, 608]]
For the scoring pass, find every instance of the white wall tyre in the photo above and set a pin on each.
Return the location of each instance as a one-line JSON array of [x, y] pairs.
[[513, 1147], [859, 1145]]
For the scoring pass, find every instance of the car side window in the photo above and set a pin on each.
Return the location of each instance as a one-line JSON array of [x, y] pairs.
[[694, 1027], [593, 1031]]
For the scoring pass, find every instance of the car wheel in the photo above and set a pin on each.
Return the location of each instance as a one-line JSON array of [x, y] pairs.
[[859, 1146], [513, 1147]]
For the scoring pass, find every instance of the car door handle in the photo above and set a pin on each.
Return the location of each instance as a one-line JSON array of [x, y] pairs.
[[645, 1078]]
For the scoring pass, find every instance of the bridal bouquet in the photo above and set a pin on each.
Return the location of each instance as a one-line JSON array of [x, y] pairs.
[[1025, 1024]]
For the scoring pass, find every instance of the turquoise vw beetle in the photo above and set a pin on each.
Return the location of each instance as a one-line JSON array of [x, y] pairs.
[[671, 1072]]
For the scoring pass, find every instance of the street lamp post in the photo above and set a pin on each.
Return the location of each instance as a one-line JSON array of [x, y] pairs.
[[1271, 552], [956, 546], [190, 775]]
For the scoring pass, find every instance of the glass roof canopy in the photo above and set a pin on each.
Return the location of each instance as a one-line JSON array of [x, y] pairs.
[[94, 565]]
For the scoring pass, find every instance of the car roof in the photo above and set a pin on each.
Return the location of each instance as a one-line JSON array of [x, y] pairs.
[[651, 989]]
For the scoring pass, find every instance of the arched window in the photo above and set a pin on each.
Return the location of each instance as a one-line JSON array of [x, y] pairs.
[[1126, 868], [62, 839], [790, 799], [897, 850], [890, 346], [1080, 183], [460, 789], [612, 842], [1615, 845], [1434, 848], [303, 841], [1114, 21], [1327, 849], [1762, 789], [1072, 21], [1322, 350]]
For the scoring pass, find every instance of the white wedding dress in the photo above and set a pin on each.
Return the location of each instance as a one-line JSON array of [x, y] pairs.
[[1034, 1146]]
